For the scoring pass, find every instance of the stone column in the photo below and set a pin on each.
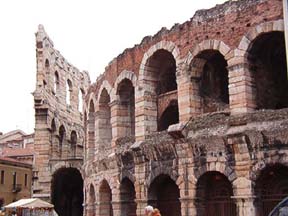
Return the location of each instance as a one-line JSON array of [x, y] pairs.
[[188, 207], [145, 113], [188, 93], [245, 205], [91, 135], [242, 92], [116, 130]]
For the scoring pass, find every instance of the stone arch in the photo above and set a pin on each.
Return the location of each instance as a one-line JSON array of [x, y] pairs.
[[164, 194], [69, 92], [255, 31], [214, 194], [90, 129], [73, 143], [124, 123], [54, 141], [263, 50], [211, 44], [92, 97], [91, 200], [127, 197], [105, 85], [103, 119], [125, 74], [207, 63], [56, 83], [220, 167], [156, 83], [67, 191], [165, 45], [62, 140], [128, 175], [160, 170], [105, 199], [271, 186]]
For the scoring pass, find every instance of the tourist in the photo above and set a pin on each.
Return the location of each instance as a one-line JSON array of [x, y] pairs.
[[156, 212], [148, 210]]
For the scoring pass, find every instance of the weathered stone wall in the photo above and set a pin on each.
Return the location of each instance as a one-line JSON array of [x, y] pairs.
[[228, 145], [221, 147], [59, 133]]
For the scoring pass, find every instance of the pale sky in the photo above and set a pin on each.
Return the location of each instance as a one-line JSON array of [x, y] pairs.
[[88, 33]]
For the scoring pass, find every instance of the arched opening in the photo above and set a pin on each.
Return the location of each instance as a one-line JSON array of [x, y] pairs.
[[67, 192], [47, 72], [214, 192], [267, 63], [169, 117], [69, 89], [164, 194], [91, 210], [126, 108], [81, 94], [105, 127], [56, 83], [73, 140], [54, 140], [91, 131], [127, 197], [210, 75], [160, 72], [271, 187], [47, 65], [62, 140], [105, 198]]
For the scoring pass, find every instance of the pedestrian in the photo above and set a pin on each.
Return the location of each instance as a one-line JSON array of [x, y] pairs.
[[148, 210], [156, 212]]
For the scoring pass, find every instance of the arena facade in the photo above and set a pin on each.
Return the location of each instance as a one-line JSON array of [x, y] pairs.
[[192, 120]]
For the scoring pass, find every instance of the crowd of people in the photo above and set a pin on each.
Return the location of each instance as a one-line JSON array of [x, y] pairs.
[[150, 211]]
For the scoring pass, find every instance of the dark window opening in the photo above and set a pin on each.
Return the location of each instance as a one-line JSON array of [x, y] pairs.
[[169, 117], [105, 127], [164, 194], [127, 196], [67, 192], [127, 107], [2, 176], [26, 180], [271, 187], [105, 196], [267, 63], [212, 79], [214, 192]]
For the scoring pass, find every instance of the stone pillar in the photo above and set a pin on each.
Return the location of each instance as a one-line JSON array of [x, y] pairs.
[[116, 205], [242, 91], [91, 135], [116, 130], [145, 113], [188, 207], [189, 101], [245, 205], [242, 185], [42, 184]]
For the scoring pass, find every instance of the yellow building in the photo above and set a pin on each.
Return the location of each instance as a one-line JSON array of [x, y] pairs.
[[15, 180]]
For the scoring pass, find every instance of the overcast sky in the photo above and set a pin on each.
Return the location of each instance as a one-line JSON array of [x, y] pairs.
[[88, 33]]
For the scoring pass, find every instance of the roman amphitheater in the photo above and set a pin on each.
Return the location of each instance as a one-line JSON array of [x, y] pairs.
[[192, 120]]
